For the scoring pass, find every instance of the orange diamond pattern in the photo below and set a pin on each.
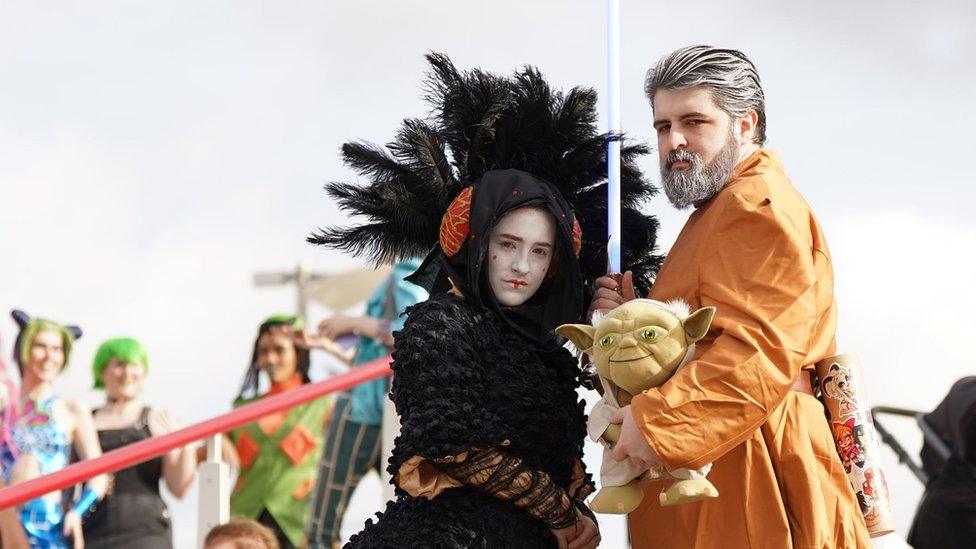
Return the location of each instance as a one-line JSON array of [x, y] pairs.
[[297, 445], [269, 424], [247, 450], [303, 489]]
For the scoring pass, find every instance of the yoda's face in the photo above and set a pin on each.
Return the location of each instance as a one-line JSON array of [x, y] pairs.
[[639, 347], [640, 344]]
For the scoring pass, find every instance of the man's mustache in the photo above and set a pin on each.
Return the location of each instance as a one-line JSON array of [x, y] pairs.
[[680, 155]]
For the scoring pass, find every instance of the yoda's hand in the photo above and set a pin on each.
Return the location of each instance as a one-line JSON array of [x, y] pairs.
[[612, 434]]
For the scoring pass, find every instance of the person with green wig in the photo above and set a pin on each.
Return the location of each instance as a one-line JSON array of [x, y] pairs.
[[276, 455], [45, 430], [134, 515]]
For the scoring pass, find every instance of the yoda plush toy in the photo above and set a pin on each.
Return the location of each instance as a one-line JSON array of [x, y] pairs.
[[638, 346]]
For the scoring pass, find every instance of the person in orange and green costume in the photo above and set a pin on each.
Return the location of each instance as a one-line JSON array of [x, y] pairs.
[[277, 454]]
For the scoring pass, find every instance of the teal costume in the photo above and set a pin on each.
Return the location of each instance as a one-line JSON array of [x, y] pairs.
[[36, 433], [352, 440]]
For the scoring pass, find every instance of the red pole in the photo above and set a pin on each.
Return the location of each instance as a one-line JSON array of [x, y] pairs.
[[147, 449]]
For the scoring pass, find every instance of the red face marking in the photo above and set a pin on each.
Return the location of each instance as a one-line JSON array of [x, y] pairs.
[[494, 257]]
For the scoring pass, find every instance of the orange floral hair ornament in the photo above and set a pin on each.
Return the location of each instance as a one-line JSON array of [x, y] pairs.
[[577, 237], [577, 247], [456, 223]]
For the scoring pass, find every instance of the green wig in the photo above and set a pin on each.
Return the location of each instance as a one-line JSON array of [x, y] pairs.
[[29, 328], [295, 322], [126, 349]]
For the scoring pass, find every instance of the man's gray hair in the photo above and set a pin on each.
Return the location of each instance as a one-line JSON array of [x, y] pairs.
[[729, 74]]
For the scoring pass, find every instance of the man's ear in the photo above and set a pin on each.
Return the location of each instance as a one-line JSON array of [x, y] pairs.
[[696, 325], [580, 334], [745, 126]]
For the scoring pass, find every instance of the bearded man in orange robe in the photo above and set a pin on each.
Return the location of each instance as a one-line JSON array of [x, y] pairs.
[[753, 249]]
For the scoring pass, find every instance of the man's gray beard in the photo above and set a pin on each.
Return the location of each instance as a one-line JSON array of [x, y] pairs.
[[699, 182]]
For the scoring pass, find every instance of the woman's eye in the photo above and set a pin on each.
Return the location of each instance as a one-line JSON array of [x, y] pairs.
[[606, 341], [509, 245], [541, 251]]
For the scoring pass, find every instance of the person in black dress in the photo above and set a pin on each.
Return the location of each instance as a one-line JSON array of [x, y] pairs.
[[489, 452], [133, 515]]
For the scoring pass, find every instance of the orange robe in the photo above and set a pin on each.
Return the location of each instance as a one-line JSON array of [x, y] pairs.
[[756, 252]]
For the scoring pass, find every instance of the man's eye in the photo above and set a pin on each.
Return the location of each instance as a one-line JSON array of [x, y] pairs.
[[606, 341], [662, 129]]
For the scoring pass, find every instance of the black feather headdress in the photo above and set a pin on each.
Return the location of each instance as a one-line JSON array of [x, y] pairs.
[[480, 121]]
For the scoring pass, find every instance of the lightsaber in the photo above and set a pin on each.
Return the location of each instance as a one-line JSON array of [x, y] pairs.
[[613, 129]]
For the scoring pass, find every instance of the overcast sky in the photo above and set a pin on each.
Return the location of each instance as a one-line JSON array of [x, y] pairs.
[[153, 156]]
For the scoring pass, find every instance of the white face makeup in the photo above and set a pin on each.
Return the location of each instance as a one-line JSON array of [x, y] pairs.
[[520, 254]]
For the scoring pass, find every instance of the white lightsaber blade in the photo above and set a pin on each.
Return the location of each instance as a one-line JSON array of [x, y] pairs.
[[613, 128]]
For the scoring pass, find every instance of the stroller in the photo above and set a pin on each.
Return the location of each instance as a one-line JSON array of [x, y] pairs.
[[946, 515]]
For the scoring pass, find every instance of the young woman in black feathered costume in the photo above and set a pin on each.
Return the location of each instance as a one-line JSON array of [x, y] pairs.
[[492, 433]]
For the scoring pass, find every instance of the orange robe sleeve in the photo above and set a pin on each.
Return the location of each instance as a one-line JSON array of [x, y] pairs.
[[760, 270]]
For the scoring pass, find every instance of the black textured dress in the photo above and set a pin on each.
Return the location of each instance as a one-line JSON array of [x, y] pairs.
[[464, 379], [133, 516]]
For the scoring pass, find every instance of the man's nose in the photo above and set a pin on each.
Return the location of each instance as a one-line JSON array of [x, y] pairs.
[[676, 140]]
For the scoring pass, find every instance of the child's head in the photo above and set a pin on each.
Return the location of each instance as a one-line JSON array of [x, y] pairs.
[[240, 533]]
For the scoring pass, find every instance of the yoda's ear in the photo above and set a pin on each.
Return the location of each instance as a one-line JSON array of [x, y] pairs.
[[580, 334], [696, 325]]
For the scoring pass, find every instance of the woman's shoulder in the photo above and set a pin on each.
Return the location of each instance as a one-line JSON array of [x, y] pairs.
[[444, 311], [69, 412], [75, 407], [443, 330]]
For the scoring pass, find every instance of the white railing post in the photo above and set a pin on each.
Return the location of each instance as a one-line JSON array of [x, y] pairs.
[[213, 503]]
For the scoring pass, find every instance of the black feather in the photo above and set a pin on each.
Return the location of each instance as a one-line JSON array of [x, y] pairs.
[[480, 121]]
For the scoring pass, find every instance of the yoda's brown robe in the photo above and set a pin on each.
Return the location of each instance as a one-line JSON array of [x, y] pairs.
[[756, 252]]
